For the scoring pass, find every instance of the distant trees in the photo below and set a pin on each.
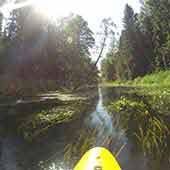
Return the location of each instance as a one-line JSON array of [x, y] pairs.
[[108, 69], [144, 41]]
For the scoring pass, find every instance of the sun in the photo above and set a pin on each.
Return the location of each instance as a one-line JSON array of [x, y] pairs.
[[52, 8], [49, 8]]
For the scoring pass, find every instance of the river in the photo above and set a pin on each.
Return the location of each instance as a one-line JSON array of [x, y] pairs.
[[63, 146]]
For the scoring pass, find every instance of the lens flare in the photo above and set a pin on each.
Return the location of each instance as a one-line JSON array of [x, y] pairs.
[[52, 8], [49, 8]]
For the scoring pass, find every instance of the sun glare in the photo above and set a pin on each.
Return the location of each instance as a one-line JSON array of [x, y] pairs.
[[52, 8]]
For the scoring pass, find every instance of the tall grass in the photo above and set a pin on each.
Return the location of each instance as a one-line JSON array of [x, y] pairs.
[[161, 78]]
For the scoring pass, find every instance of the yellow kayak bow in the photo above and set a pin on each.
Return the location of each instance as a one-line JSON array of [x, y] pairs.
[[97, 159]]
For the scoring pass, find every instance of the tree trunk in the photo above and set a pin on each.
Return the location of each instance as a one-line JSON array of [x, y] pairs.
[[101, 51], [129, 72], [164, 62]]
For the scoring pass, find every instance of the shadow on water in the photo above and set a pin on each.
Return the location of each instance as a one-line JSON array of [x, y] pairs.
[[65, 144]]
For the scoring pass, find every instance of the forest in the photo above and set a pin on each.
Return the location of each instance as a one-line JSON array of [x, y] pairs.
[[144, 43]]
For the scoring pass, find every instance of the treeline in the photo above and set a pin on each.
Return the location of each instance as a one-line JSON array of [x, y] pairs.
[[144, 44], [40, 53]]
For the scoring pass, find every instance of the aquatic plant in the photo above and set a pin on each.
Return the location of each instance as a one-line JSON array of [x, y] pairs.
[[38, 123], [85, 140], [146, 126]]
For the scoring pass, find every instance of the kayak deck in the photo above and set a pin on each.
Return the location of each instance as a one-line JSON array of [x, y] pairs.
[[97, 158]]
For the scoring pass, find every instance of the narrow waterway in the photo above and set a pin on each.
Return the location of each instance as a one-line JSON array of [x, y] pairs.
[[64, 146]]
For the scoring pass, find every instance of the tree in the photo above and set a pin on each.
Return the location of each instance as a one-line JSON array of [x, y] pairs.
[[44, 50], [158, 12], [133, 58], [108, 27], [80, 42], [108, 69], [133, 44]]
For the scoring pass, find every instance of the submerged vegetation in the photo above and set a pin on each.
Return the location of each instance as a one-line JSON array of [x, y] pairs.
[[60, 109], [85, 140], [38, 123]]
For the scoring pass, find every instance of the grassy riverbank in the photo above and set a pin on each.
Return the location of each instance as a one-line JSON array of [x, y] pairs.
[[155, 84], [161, 79]]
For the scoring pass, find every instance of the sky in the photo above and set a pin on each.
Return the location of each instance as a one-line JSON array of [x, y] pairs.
[[99, 9], [92, 10], [95, 10]]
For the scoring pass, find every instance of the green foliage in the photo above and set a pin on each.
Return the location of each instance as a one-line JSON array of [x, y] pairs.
[[143, 124], [132, 57], [107, 68], [128, 106], [158, 13], [158, 80], [144, 42]]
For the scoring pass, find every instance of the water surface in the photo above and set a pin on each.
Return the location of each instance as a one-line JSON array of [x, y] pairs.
[[64, 145]]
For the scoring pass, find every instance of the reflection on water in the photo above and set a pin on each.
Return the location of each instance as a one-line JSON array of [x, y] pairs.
[[100, 116], [98, 130], [64, 145]]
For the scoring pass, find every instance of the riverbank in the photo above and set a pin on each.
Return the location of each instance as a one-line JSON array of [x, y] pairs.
[[155, 84], [157, 79]]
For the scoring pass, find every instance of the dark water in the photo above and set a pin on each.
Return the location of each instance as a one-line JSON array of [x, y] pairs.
[[64, 145]]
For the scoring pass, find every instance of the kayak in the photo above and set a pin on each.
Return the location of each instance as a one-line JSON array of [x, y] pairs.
[[97, 158]]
